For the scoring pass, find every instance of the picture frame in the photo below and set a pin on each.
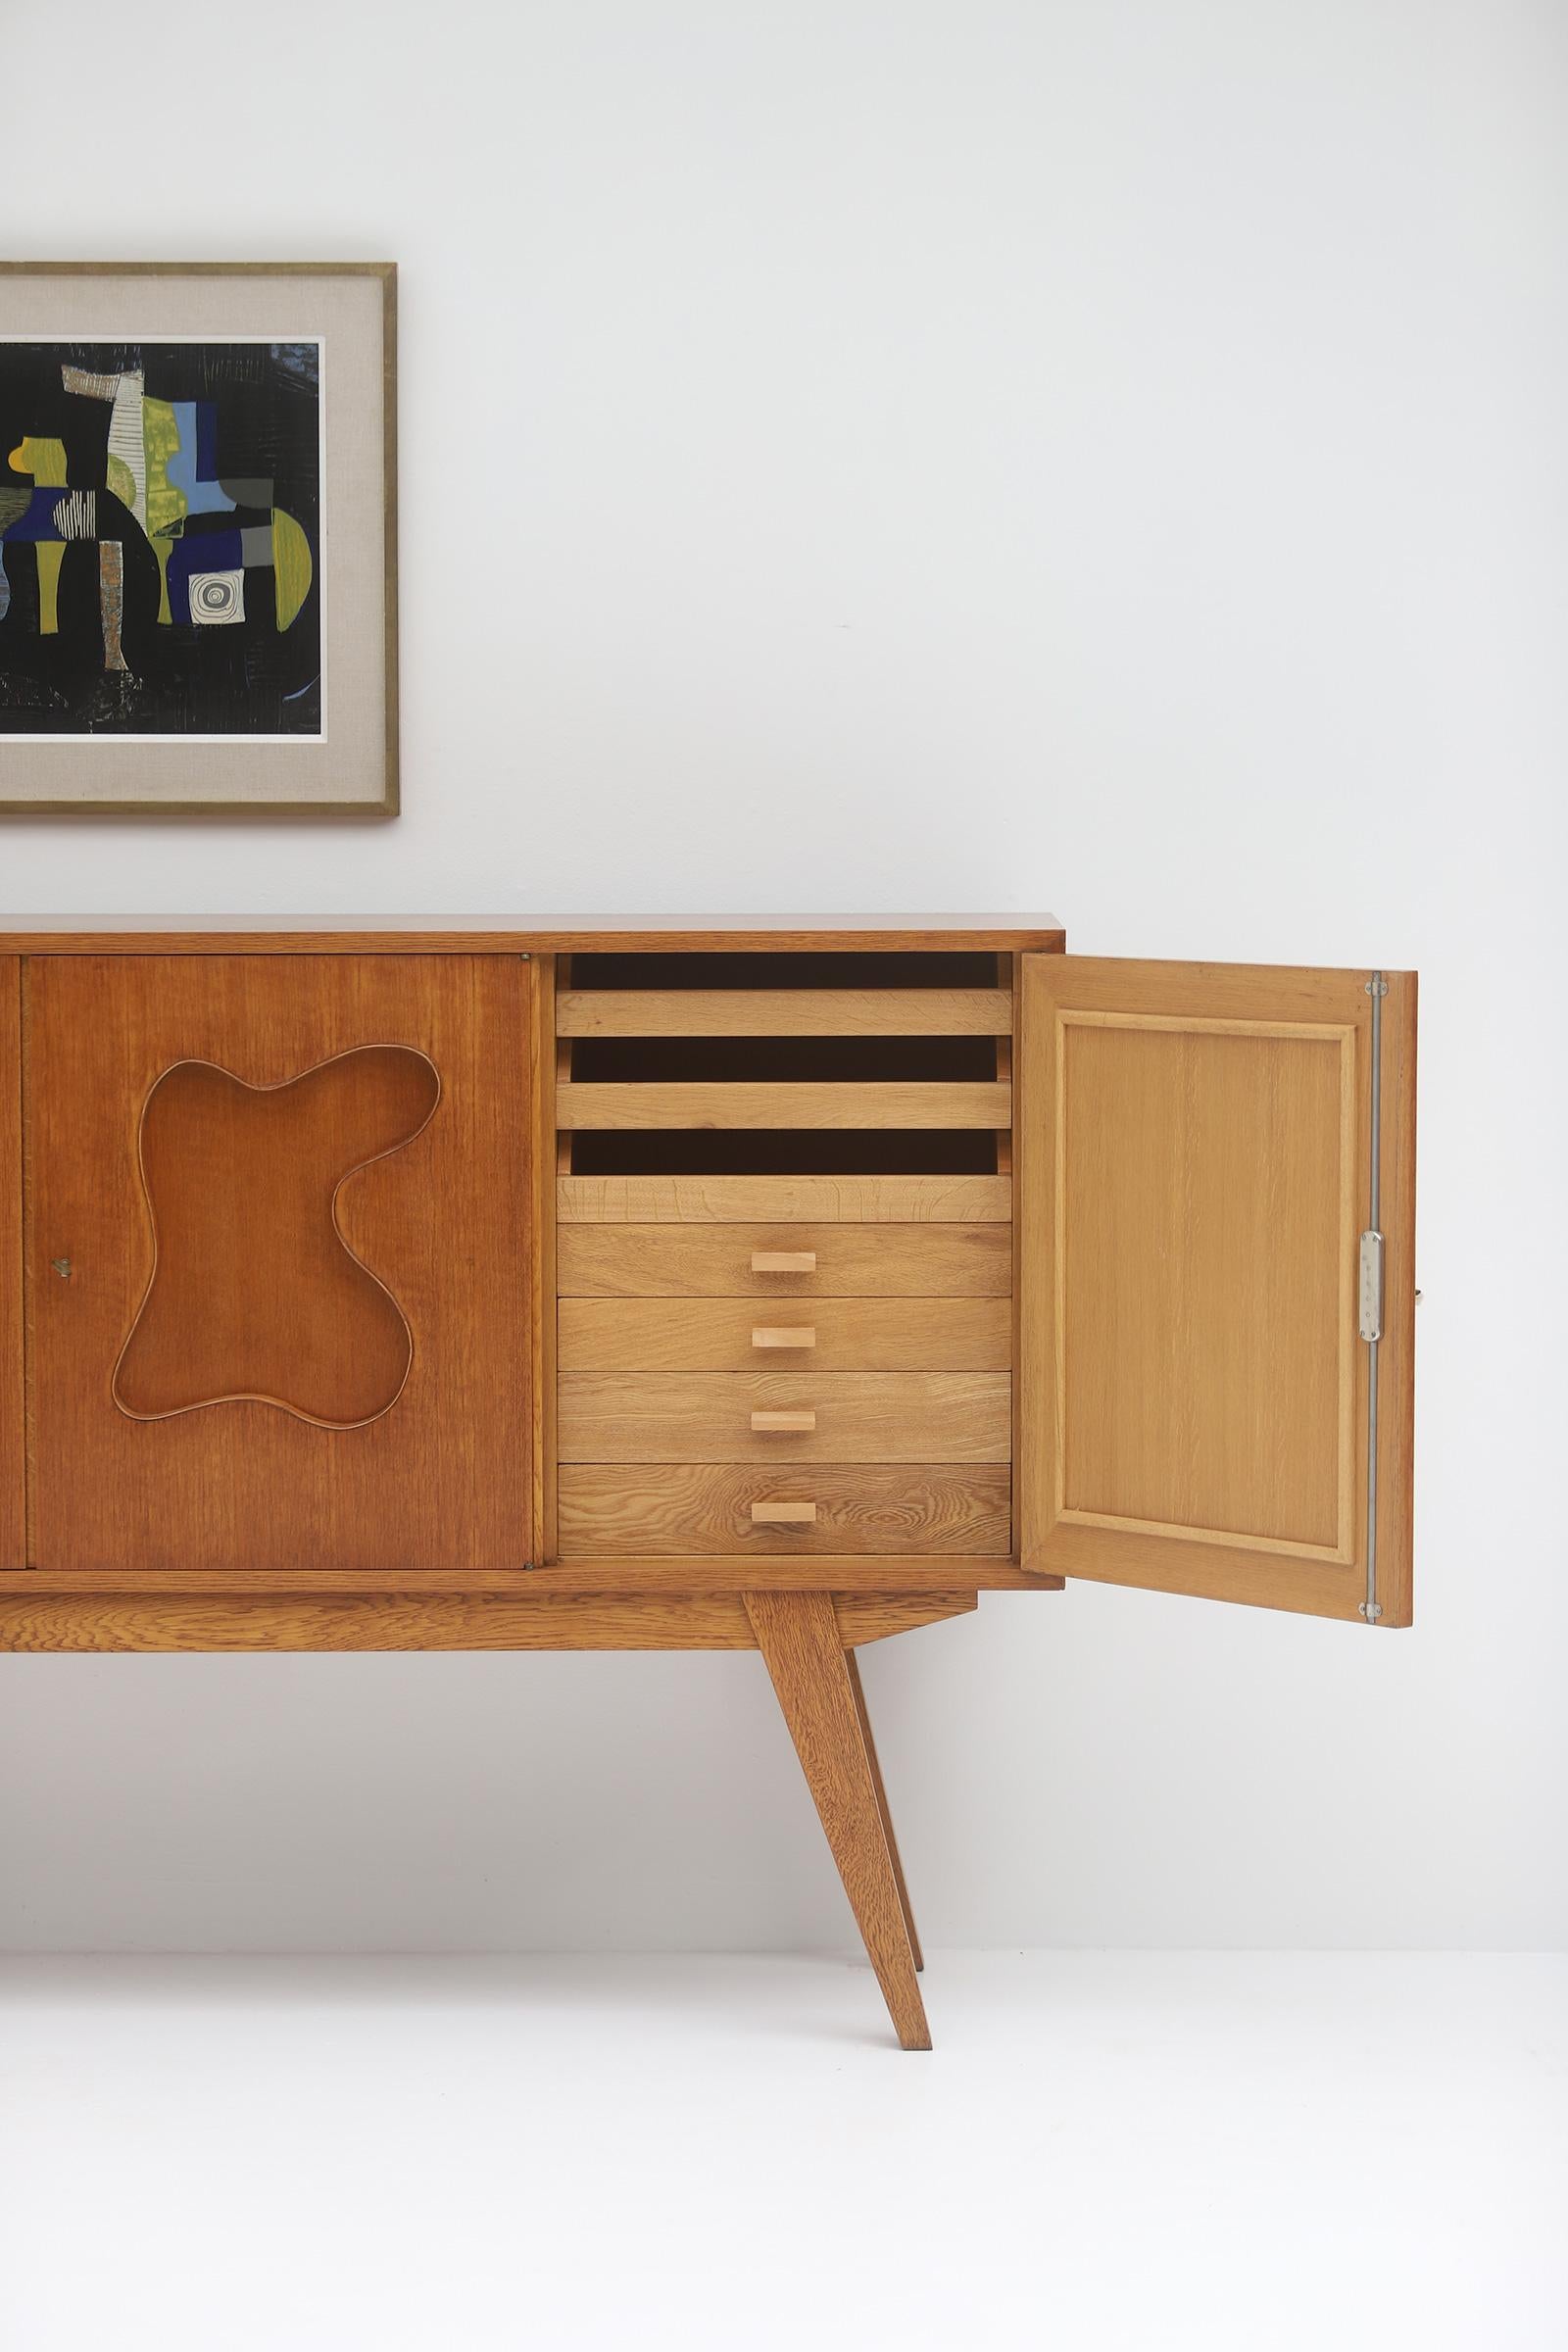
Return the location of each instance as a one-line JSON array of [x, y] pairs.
[[198, 539]]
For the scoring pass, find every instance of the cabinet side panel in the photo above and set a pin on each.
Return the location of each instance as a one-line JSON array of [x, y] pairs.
[[13, 1420], [542, 1145], [1396, 1502]]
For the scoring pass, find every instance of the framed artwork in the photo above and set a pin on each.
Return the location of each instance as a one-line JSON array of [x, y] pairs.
[[198, 538]]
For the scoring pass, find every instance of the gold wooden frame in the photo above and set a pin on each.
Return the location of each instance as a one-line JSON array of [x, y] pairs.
[[252, 812]]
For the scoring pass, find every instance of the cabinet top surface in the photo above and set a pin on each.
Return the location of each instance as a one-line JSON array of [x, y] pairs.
[[508, 934]]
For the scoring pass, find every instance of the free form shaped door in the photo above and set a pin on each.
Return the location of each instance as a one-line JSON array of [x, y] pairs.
[[254, 1292], [1215, 1365], [277, 1261]]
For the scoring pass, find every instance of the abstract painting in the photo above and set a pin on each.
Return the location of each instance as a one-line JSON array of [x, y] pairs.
[[158, 528], [197, 537]]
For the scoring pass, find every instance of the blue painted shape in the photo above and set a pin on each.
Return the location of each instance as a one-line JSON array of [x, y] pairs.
[[202, 551], [201, 496], [38, 522]]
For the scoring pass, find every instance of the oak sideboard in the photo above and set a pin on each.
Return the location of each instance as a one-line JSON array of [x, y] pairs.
[[511, 1285]]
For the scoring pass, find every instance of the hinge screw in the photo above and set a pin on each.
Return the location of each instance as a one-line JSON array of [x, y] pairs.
[[62, 1267]]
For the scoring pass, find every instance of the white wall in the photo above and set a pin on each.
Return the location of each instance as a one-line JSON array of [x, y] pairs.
[[1107, 456]]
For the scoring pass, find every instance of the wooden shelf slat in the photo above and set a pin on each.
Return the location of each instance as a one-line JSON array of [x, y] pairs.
[[785, 1012], [821, 1104]]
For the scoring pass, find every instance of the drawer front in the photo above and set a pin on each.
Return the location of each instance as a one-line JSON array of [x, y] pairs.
[[809, 1262], [672, 1511], [777, 1199], [748, 1335], [785, 1417]]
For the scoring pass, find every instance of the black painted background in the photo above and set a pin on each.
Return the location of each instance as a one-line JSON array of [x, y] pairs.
[[184, 678]]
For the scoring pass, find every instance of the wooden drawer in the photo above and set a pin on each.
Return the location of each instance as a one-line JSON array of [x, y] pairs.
[[846, 1261], [852, 1417], [749, 1335], [670, 1511], [779, 1199]]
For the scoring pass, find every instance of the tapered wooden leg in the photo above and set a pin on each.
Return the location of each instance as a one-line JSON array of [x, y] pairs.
[[902, 1882], [798, 1636]]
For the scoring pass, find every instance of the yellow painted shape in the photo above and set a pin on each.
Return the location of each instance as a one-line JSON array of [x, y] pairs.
[[122, 481], [51, 555], [45, 459], [159, 438], [291, 565], [163, 548]]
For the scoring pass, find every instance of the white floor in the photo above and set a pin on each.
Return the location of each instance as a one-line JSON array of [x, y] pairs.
[[1104, 2150]]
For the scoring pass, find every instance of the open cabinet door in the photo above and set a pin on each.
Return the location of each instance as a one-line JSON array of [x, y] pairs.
[[1216, 1171]]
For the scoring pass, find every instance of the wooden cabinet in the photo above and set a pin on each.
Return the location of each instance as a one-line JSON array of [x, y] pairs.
[[492, 1286]]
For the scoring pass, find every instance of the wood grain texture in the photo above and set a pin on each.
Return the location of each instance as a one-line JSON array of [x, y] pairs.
[[783, 1199], [254, 1292], [822, 1103], [139, 1621], [918, 1513], [853, 1261], [785, 1012], [860, 1417], [443, 1480], [733, 1572], [1205, 1217], [718, 1335], [799, 1637], [13, 1409], [537, 935], [862, 1713], [1195, 1155]]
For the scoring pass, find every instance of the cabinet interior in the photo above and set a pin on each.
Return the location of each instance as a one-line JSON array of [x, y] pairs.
[[839, 999]]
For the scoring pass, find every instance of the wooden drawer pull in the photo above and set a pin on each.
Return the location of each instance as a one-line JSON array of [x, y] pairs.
[[784, 1421], [783, 1514], [772, 1334], [783, 1261]]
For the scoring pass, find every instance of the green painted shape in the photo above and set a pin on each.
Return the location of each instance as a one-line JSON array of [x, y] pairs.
[[163, 548], [122, 481], [292, 566], [51, 555], [13, 505], [159, 438]]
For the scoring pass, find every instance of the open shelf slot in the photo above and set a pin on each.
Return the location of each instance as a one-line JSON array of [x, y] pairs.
[[808, 969], [776, 1063], [784, 1152], [780, 1061]]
